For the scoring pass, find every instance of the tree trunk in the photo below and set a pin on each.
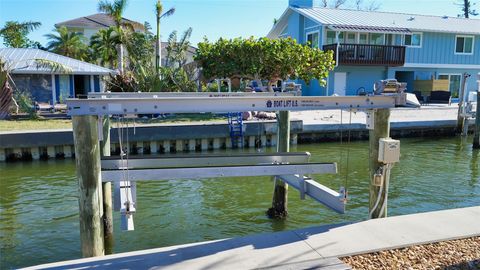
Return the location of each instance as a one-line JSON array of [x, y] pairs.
[[120, 58], [158, 56], [6, 96]]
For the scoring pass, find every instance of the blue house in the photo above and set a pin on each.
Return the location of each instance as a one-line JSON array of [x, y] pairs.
[[370, 46], [47, 87]]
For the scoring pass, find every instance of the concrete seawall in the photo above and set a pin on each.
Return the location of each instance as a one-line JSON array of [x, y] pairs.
[[151, 139], [307, 127]]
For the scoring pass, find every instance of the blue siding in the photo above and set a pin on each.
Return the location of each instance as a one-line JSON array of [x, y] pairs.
[[439, 48], [309, 23], [96, 83], [358, 77]]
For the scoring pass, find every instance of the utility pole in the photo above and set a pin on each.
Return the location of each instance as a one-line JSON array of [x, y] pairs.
[[87, 159], [279, 207], [379, 172], [107, 190]]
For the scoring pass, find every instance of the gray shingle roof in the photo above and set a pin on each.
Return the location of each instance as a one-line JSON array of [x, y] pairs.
[[22, 61], [99, 20], [383, 20]]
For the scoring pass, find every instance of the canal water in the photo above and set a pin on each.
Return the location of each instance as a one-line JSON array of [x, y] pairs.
[[39, 208]]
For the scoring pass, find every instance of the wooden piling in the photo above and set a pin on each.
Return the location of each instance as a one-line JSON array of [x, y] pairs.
[[461, 102], [377, 197], [87, 159], [107, 190], [476, 136], [279, 207]]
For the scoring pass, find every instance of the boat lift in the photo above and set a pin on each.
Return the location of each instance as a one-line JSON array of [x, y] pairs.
[[292, 168]]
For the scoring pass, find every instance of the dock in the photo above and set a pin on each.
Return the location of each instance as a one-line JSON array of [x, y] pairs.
[[309, 248]]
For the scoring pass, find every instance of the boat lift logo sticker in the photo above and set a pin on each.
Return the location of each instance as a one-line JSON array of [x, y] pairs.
[[282, 103]]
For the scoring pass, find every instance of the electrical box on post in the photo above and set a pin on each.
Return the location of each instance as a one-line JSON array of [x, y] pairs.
[[388, 151]]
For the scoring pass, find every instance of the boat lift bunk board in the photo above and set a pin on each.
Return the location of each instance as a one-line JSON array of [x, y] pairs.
[[292, 173]]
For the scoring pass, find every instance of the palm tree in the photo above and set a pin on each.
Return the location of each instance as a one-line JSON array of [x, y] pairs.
[[15, 34], [177, 49], [103, 45], [67, 43], [115, 11], [159, 15]]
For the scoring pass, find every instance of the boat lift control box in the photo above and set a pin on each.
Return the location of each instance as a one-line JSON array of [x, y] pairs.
[[388, 151]]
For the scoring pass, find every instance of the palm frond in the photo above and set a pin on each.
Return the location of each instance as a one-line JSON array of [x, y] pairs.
[[169, 12], [53, 66]]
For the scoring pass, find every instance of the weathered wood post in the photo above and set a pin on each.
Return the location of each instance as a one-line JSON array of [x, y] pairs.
[[87, 159], [378, 193], [476, 136], [461, 102], [107, 190], [279, 207]]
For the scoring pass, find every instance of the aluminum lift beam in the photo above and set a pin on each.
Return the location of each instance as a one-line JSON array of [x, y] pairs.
[[219, 171], [135, 105], [318, 192], [188, 94], [188, 161]]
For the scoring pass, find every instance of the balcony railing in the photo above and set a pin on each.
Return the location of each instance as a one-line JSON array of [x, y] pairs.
[[368, 55]]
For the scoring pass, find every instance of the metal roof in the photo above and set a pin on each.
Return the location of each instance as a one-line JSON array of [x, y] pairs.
[[22, 61], [387, 21], [99, 20]]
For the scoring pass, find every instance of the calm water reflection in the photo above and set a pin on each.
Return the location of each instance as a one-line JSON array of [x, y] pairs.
[[39, 208]]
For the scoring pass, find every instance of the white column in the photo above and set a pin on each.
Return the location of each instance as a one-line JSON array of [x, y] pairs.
[[166, 146], [179, 145], [153, 148], [191, 145], [35, 153], [204, 143], [92, 84], [51, 151], [251, 141], [67, 151], [54, 91], [228, 142], [216, 143], [140, 148], [2, 154], [263, 141]]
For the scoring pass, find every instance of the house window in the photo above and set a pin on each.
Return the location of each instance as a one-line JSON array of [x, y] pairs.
[[454, 83], [351, 38], [413, 40], [362, 38], [312, 39], [377, 39], [464, 45], [331, 37]]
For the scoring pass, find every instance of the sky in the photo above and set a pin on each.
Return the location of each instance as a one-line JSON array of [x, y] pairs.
[[208, 18]]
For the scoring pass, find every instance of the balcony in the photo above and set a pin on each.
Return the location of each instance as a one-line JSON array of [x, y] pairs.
[[368, 55]]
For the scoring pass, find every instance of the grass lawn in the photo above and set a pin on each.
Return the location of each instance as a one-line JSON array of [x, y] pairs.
[[15, 125]]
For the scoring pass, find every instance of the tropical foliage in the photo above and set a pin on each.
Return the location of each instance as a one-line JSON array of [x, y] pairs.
[[103, 47], [67, 43], [14, 34], [158, 47], [263, 58]]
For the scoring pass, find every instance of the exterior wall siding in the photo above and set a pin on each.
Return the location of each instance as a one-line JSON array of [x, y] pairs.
[[358, 77], [439, 48]]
